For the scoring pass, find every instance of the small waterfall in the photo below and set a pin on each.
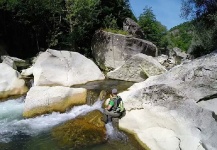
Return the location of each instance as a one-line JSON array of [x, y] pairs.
[[17, 131]]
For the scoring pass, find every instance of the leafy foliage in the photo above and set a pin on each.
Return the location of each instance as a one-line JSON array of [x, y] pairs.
[[29, 25], [204, 15], [181, 36], [116, 31], [154, 31], [33, 25]]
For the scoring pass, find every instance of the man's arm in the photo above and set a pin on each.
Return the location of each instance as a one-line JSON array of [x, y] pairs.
[[108, 107]]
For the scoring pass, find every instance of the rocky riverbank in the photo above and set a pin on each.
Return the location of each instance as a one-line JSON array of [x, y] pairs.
[[168, 108]]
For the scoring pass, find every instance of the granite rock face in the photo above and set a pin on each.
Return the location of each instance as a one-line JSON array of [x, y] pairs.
[[10, 82], [138, 68], [178, 55], [113, 50], [133, 28], [14, 62], [175, 110]]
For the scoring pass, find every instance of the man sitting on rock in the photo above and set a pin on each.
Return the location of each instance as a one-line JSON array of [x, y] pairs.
[[115, 106]]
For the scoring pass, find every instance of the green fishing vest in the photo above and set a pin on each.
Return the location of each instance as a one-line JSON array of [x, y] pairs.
[[118, 105]]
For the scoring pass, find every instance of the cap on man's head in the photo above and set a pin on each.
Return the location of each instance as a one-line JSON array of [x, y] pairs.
[[114, 91]]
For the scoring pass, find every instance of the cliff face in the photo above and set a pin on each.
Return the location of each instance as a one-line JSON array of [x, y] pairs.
[[112, 50], [177, 107]]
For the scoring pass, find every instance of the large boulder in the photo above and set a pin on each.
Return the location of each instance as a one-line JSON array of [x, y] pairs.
[[44, 99], [167, 62], [175, 110], [133, 28], [64, 68], [10, 82], [138, 68], [112, 50], [81, 132], [178, 55]]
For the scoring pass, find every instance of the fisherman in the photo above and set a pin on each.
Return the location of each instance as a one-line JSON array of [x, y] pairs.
[[115, 107]]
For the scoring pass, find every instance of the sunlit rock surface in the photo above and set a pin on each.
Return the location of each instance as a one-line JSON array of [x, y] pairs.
[[64, 68], [175, 110], [138, 68], [27, 72], [44, 99], [10, 84], [81, 132]]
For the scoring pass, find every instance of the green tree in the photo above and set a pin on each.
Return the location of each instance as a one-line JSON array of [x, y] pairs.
[[154, 31], [204, 15], [82, 21], [115, 11], [32, 25], [181, 36]]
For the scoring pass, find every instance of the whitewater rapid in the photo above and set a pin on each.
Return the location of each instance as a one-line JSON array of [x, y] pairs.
[[12, 123]]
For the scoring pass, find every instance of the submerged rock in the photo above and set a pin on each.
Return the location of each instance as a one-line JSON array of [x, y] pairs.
[[81, 132], [173, 110], [42, 99], [137, 69], [64, 68], [112, 50], [10, 84]]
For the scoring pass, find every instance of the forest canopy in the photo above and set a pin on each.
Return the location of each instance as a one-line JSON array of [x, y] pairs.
[[204, 16], [30, 26]]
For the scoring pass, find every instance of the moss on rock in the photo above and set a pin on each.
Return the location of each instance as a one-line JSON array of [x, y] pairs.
[[14, 93]]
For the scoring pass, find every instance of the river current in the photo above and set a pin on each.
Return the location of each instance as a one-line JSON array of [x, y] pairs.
[[18, 133]]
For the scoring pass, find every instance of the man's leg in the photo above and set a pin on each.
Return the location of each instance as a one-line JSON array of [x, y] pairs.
[[110, 115]]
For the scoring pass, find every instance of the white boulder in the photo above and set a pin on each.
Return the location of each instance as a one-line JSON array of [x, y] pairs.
[[138, 68], [175, 110], [27, 72], [44, 99], [64, 68], [14, 62], [10, 84]]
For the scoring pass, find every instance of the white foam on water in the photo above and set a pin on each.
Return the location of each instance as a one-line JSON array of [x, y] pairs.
[[114, 134], [13, 110]]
